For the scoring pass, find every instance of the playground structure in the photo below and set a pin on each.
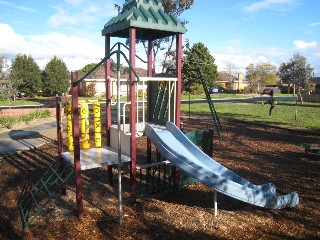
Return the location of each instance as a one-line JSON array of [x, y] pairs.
[[141, 20]]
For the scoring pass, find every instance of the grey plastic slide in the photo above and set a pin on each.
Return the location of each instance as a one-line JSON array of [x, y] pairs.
[[181, 152]]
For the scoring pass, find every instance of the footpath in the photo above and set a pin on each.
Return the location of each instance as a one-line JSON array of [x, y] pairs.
[[26, 139]]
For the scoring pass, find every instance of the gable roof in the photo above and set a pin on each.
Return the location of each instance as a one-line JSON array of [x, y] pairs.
[[315, 80], [149, 19]]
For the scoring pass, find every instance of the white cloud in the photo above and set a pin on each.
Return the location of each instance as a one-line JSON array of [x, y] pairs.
[[302, 44], [77, 12], [275, 5], [11, 43], [241, 58], [76, 52], [314, 24], [10, 4], [61, 17]]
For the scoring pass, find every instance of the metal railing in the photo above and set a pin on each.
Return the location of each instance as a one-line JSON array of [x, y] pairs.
[[155, 177]]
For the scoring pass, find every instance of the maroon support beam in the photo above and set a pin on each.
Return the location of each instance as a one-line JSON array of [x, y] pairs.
[[76, 144], [60, 137], [59, 125], [178, 98], [108, 100], [108, 87], [149, 74], [133, 151], [178, 72]]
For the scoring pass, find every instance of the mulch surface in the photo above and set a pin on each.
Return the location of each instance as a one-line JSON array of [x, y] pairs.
[[258, 153]]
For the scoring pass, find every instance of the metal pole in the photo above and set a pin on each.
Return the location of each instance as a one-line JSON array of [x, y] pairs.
[[119, 136], [215, 203]]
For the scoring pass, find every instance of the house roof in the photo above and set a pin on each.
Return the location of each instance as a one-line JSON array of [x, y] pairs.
[[149, 19], [315, 80]]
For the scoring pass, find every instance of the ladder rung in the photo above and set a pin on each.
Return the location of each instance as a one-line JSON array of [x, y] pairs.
[[45, 186], [23, 215], [34, 199]]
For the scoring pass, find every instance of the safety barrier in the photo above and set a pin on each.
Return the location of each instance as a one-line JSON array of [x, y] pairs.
[[155, 177]]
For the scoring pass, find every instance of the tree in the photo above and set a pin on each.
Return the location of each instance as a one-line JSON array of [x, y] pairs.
[[3, 67], [26, 73], [261, 74], [199, 57], [9, 87], [296, 72], [56, 77]]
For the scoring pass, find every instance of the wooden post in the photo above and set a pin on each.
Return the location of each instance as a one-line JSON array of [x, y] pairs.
[[178, 97], [76, 143], [149, 74], [59, 125], [108, 100], [133, 152], [178, 72]]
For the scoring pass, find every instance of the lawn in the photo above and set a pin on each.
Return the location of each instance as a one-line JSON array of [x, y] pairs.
[[301, 115]]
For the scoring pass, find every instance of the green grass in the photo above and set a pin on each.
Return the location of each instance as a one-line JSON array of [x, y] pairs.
[[308, 114], [214, 96], [9, 121], [5, 102]]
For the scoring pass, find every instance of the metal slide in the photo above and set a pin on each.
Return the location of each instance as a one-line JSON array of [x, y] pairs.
[[180, 151]]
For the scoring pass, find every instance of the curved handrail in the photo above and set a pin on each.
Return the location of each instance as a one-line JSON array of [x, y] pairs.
[[119, 44]]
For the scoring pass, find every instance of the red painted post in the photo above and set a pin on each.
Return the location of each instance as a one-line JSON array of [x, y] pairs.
[[178, 71], [108, 88], [60, 137], [149, 74], [59, 125], [108, 100], [178, 97], [133, 151], [76, 144]]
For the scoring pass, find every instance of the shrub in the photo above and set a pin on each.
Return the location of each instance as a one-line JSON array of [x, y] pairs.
[[196, 89], [91, 89], [9, 121]]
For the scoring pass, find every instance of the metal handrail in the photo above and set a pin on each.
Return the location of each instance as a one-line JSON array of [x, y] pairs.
[[119, 44]]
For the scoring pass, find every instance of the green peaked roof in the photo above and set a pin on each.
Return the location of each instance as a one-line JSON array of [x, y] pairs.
[[148, 17]]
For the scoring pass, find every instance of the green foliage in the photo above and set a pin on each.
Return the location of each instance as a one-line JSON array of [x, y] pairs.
[[56, 77], [9, 87], [296, 71], [34, 115], [248, 89], [87, 68], [261, 74], [199, 57], [91, 89], [196, 89], [3, 67], [9, 121], [26, 74]]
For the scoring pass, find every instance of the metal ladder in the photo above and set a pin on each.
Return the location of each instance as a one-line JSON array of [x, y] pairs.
[[48, 187], [211, 106]]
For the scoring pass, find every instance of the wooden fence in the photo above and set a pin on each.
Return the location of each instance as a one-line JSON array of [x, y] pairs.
[[310, 98]]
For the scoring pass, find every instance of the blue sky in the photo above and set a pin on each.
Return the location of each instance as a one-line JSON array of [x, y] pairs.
[[236, 32]]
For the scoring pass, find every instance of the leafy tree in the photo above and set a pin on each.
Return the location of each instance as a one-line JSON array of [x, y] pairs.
[[56, 77], [3, 67], [199, 57], [26, 73], [9, 87], [261, 74], [297, 73]]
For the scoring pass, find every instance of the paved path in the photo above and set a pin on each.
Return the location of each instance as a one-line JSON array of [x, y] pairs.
[[20, 140]]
